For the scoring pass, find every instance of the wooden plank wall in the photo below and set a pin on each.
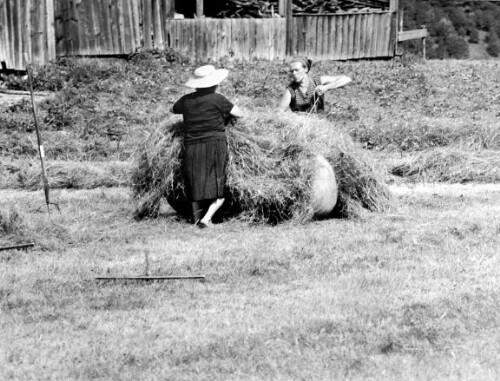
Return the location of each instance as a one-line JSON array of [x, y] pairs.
[[97, 27], [344, 36], [234, 38], [112, 27], [26, 26], [335, 37]]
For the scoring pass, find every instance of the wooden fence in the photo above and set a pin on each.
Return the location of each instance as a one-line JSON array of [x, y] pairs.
[[345, 36], [50, 28], [109, 27], [26, 26], [238, 38], [335, 37]]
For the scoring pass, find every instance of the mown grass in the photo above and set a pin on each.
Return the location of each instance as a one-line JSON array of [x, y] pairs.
[[411, 294], [102, 107]]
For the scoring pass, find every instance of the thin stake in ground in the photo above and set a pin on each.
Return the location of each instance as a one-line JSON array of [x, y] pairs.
[[39, 137]]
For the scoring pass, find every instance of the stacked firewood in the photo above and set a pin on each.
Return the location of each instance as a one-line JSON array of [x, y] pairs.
[[249, 8], [269, 8]]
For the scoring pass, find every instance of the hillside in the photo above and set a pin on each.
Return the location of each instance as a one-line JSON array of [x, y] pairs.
[[456, 29]]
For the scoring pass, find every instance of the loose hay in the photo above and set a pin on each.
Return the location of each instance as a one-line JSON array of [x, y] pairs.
[[451, 165], [69, 174], [270, 169]]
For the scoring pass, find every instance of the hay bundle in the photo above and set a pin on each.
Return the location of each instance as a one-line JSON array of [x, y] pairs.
[[451, 165], [75, 175], [271, 168]]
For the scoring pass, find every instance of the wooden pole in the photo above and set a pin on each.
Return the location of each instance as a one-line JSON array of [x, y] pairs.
[[147, 23], [199, 8], [424, 45], [282, 8], [400, 29], [51, 32], [151, 278], [38, 135], [289, 27], [17, 247]]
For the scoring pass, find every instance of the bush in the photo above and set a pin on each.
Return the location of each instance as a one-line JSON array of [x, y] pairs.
[[493, 48], [457, 47], [474, 36]]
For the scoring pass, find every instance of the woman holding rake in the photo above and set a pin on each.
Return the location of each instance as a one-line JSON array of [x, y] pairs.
[[306, 93]]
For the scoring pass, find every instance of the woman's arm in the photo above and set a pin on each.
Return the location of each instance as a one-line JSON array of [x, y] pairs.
[[329, 82], [285, 101], [236, 112]]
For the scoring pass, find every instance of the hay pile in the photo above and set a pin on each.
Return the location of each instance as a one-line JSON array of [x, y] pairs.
[[270, 169], [66, 174], [452, 165]]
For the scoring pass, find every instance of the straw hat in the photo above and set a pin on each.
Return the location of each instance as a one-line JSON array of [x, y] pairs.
[[207, 76]]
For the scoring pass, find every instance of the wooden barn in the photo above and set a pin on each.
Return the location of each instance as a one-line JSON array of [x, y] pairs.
[[47, 29]]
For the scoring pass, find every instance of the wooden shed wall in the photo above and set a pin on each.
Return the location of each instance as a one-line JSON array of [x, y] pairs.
[[237, 38], [26, 26], [336, 37], [111, 27], [344, 36]]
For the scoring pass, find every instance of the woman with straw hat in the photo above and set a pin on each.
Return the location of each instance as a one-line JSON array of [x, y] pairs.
[[306, 93], [205, 113]]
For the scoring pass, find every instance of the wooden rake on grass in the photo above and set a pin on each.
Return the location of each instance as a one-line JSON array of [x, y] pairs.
[[39, 138], [148, 278], [21, 246]]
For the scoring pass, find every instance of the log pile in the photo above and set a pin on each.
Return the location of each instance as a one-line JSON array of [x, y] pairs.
[[269, 8]]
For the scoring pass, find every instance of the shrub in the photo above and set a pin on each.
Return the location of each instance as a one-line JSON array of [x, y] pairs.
[[12, 222], [474, 36], [457, 47], [493, 48]]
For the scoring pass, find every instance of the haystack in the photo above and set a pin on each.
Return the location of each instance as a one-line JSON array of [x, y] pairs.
[[273, 165], [452, 165]]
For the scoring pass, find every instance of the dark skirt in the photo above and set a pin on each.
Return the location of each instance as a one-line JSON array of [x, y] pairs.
[[204, 169]]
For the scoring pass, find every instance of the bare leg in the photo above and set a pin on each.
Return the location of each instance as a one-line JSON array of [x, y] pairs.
[[197, 211], [214, 207]]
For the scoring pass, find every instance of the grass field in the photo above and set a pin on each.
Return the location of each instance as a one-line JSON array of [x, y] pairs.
[[412, 293]]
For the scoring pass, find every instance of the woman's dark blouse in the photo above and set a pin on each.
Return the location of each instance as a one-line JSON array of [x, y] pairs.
[[309, 101], [204, 115]]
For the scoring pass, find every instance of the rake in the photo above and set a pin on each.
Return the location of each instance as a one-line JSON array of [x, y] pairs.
[[39, 138]]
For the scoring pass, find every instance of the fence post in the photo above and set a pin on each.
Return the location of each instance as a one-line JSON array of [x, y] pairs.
[[147, 23], [424, 45], [282, 8], [394, 7], [199, 8], [289, 27], [399, 29]]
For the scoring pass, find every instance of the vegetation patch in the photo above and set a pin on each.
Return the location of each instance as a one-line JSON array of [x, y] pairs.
[[12, 223], [74, 175]]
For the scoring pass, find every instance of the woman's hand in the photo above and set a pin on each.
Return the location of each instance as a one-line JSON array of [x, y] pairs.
[[321, 89]]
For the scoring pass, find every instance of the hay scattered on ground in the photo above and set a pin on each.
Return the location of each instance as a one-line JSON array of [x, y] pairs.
[[451, 165], [66, 174], [12, 225], [270, 169]]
